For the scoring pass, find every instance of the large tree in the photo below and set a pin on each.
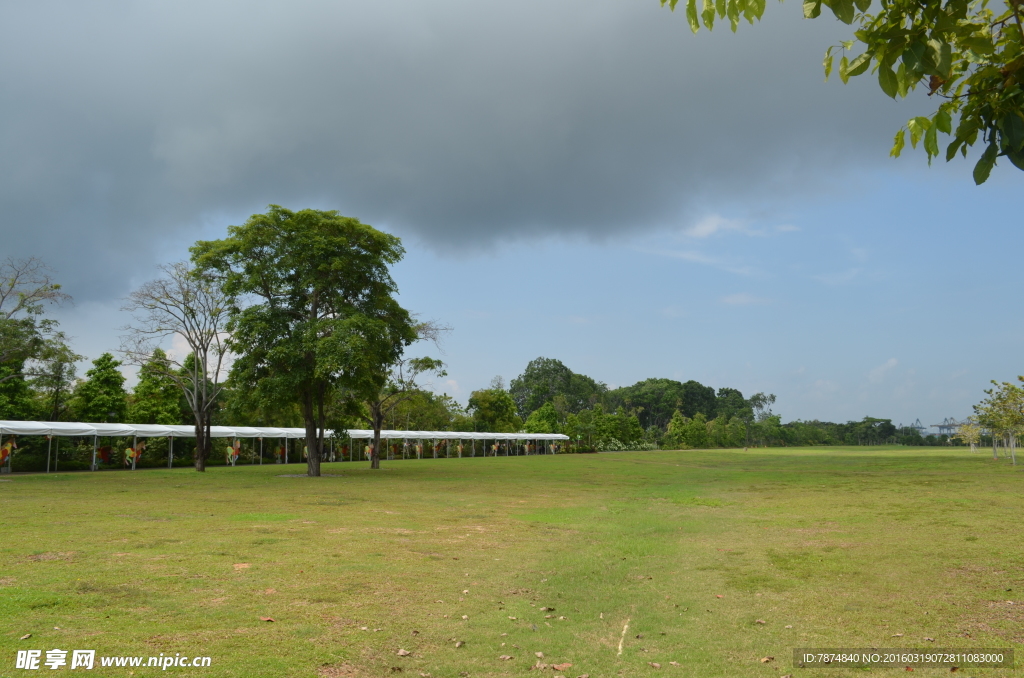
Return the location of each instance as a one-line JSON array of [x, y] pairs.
[[657, 399], [546, 378], [969, 54], [313, 312], [188, 304]]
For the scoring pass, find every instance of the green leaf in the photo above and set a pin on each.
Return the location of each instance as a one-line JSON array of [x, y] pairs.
[[812, 9], [720, 7], [952, 148], [843, 9], [913, 59], [887, 81], [847, 44], [938, 58], [902, 80], [985, 164], [860, 64], [917, 126], [898, 143], [691, 15], [1012, 127], [862, 5], [944, 122], [708, 14], [1016, 157], [931, 142], [844, 69], [827, 64], [733, 10]]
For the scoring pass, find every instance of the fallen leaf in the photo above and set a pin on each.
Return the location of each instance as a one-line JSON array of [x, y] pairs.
[[897, 635], [505, 657], [953, 669], [513, 618], [930, 640], [639, 635], [910, 668], [270, 619], [675, 664], [765, 660], [788, 675], [396, 669], [561, 667], [404, 653], [26, 636], [562, 618], [269, 591], [718, 596], [549, 616], [415, 633], [789, 626], [655, 665], [459, 644], [585, 675], [539, 655], [241, 566], [424, 675], [465, 616], [466, 591], [760, 621]]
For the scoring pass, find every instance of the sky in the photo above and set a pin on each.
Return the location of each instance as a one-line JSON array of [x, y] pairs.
[[581, 179]]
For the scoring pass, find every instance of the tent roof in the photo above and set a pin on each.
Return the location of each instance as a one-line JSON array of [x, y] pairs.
[[61, 428]]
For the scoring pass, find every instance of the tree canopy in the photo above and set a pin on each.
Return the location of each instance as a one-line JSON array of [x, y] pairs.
[[969, 54], [544, 379], [101, 397]]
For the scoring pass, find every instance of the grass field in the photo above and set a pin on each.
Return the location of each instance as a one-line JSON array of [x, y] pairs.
[[829, 547]]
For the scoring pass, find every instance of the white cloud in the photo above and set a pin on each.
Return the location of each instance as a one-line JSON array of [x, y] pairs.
[[715, 223], [701, 258], [787, 228], [878, 373]]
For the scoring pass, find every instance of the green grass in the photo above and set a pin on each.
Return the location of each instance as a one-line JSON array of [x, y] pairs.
[[847, 546]]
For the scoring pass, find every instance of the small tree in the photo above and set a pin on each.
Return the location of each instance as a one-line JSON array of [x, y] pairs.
[[101, 397], [156, 398], [191, 305], [54, 378], [381, 397], [969, 432]]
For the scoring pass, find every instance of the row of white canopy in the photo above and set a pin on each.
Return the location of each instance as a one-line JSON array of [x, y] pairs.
[[63, 428]]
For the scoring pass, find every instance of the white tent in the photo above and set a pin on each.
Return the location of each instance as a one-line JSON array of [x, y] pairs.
[[77, 429]]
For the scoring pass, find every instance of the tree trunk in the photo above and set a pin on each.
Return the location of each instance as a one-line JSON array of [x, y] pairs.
[[312, 436], [202, 443], [377, 416], [995, 449]]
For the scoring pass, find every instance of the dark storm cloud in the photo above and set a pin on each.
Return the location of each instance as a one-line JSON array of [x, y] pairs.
[[131, 124]]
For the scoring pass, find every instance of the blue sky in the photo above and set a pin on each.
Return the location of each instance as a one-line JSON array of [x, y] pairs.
[[582, 180], [895, 301]]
